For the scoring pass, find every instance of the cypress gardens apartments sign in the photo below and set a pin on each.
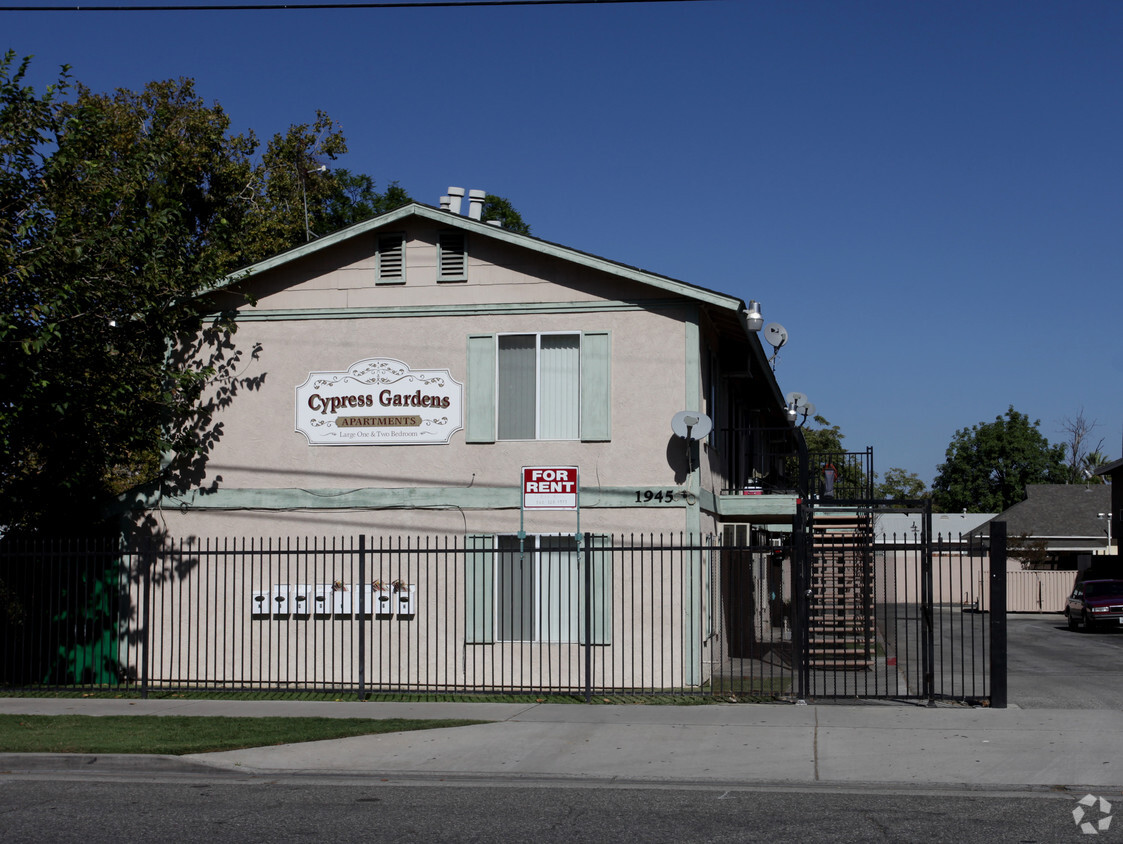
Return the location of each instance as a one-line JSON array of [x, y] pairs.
[[380, 401]]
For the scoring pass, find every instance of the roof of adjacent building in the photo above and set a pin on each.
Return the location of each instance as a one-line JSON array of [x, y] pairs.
[[899, 527], [1110, 468], [1066, 515]]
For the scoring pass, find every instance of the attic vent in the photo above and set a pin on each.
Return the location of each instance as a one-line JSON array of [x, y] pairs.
[[452, 259], [391, 259]]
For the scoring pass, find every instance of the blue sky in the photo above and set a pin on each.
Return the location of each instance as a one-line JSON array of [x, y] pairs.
[[928, 196]]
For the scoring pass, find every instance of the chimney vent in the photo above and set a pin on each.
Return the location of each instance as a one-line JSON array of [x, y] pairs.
[[476, 203], [455, 196], [446, 201]]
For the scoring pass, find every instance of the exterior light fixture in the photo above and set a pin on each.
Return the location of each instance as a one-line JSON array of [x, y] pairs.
[[753, 317]]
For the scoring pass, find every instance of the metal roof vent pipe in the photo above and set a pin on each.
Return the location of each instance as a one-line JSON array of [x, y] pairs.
[[455, 195], [476, 203], [446, 201]]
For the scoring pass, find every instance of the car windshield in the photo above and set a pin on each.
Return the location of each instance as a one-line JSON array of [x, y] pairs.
[[1104, 588]]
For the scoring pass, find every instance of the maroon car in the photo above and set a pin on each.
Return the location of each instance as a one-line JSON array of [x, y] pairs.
[[1097, 604]]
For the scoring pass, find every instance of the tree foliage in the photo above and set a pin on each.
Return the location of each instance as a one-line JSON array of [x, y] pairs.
[[989, 465], [499, 208], [118, 213], [117, 209], [901, 485]]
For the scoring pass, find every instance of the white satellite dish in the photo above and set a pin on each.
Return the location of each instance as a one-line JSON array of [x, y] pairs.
[[691, 424], [776, 335]]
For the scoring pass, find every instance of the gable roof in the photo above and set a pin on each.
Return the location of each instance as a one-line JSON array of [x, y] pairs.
[[1067, 514], [450, 219], [1110, 468]]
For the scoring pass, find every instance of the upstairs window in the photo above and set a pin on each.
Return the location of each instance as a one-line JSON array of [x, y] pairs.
[[391, 259], [452, 256], [542, 386], [539, 386]]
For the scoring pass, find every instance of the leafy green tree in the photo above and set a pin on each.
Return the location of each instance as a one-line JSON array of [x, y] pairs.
[[824, 446], [353, 198], [116, 211], [500, 208], [990, 464], [901, 485]]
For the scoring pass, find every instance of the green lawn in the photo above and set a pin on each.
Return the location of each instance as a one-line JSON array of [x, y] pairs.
[[177, 735]]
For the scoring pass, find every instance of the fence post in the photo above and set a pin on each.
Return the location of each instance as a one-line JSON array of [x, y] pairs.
[[927, 609], [801, 589], [362, 615], [588, 556], [998, 615], [145, 561]]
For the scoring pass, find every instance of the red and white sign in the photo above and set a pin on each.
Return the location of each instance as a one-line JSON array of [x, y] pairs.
[[549, 487]]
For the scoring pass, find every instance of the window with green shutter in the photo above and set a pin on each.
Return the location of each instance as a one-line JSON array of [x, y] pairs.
[[539, 386], [534, 590]]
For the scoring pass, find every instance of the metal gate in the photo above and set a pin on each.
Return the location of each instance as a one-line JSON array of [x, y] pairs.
[[884, 615]]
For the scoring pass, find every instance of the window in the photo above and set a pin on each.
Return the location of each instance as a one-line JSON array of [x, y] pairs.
[[452, 257], [542, 386], [539, 386], [537, 589], [391, 259], [536, 593]]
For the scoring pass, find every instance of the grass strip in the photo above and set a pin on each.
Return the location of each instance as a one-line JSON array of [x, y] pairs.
[[176, 734]]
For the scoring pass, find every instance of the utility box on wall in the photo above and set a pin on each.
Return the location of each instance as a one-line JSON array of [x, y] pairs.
[[405, 598], [259, 604], [368, 599], [301, 600], [383, 603], [341, 599], [321, 600], [281, 600]]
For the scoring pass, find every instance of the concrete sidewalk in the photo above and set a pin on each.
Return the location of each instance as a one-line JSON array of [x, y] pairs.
[[718, 744]]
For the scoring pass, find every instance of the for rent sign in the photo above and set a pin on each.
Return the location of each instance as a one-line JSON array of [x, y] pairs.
[[549, 487]]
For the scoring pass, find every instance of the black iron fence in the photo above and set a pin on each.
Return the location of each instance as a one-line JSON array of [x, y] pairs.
[[550, 614]]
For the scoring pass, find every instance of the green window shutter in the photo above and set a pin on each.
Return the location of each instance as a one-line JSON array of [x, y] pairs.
[[479, 579], [480, 424], [600, 555], [596, 386]]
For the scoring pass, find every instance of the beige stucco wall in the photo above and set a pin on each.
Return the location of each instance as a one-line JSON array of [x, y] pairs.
[[302, 324]]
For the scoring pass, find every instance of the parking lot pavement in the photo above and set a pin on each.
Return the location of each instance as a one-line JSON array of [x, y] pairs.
[[1051, 667]]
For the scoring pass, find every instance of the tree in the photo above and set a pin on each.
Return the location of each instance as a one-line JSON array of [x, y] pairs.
[[824, 445], [499, 208], [901, 485], [353, 198], [990, 464], [117, 211], [1082, 459]]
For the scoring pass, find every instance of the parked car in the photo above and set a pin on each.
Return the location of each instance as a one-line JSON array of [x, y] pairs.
[[1096, 604]]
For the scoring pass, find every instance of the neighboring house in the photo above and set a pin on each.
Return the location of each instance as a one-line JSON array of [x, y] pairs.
[[1069, 520], [907, 527], [1114, 474]]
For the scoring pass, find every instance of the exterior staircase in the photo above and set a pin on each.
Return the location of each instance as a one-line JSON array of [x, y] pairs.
[[840, 621]]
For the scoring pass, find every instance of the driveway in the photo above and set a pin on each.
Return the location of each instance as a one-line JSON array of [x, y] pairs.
[[1051, 667]]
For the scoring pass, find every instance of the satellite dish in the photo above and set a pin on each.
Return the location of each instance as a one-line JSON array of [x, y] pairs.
[[691, 424], [776, 335], [796, 400]]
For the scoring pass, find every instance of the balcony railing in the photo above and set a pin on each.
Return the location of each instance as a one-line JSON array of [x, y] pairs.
[[758, 461]]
